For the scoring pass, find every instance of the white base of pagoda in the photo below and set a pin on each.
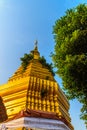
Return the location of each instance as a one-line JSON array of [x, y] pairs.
[[35, 123]]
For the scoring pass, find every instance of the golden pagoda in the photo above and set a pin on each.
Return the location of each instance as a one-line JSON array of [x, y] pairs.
[[33, 100]]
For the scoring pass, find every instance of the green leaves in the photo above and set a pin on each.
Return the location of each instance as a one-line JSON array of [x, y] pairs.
[[70, 56], [43, 92], [47, 65], [28, 57], [25, 60]]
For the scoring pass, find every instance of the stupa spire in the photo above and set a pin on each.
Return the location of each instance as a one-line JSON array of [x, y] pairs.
[[36, 53], [36, 102], [36, 44]]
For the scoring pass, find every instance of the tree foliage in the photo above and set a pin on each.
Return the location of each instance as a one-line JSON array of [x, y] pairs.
[[70, 54], [25, 60], [28, 57], [47, 65]]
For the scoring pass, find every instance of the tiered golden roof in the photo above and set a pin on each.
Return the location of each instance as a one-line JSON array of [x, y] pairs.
[[34, 89]]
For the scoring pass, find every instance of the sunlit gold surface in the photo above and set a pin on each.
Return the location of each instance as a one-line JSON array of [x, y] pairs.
[[24, 90]]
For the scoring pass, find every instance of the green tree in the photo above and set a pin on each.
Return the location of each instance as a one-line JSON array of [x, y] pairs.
[[25, 60], [70, 54]]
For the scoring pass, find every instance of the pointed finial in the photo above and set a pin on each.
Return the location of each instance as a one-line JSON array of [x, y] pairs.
[[35, 52], [36, 42]]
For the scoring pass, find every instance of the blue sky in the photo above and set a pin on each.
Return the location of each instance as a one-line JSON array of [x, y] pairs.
[[21, 23]]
